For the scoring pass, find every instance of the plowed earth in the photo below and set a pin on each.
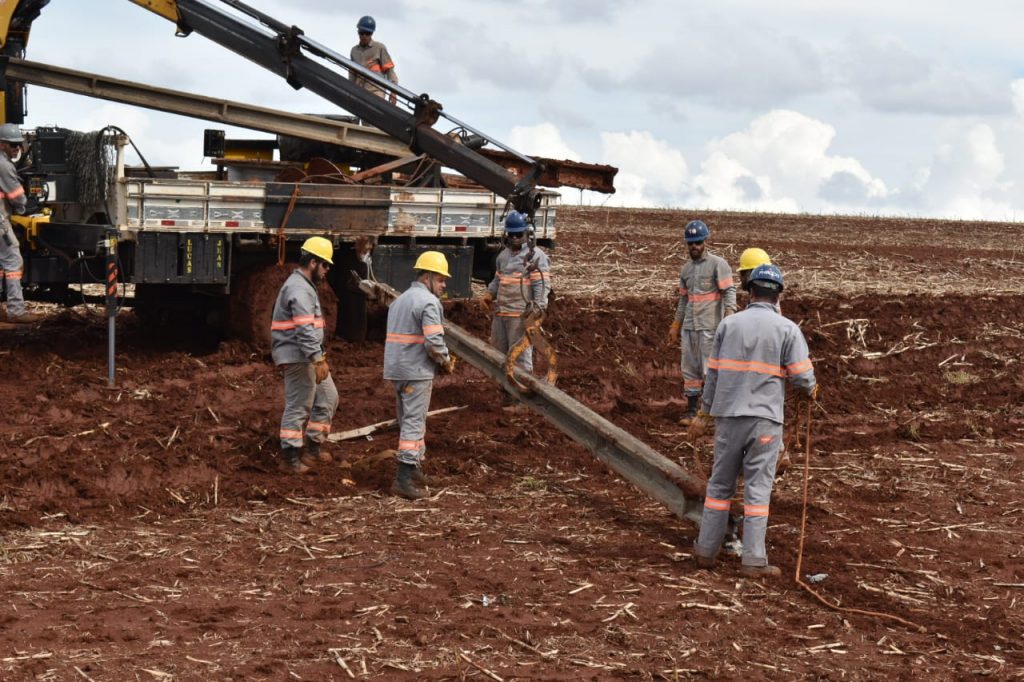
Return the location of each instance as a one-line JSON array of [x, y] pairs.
[[145, 532]]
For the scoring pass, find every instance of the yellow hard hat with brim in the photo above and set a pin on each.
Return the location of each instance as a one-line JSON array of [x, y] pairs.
[[321, 248], [753, 257], [432, 261]]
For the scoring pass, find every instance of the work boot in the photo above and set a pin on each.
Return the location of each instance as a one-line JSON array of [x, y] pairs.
[[291, 462], [692, 404], [704, 561], [760, 571], [420, 478], [404, 485], [25, 318], [315, 454]]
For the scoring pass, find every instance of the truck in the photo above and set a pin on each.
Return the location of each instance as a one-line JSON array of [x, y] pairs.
[[377, 182]]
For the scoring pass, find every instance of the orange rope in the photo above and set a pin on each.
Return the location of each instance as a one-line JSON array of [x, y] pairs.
[[803, 531]]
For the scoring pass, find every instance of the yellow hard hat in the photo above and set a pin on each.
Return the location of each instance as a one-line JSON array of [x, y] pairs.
[[321, 248], [432, 261], [753, 257]]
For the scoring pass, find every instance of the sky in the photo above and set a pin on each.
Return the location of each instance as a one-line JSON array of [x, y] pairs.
[[872, 107]]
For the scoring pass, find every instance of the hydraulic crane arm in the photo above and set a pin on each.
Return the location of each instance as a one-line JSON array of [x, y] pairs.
[[304, 63]]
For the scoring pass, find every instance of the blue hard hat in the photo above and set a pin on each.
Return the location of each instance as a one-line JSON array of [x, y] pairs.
[[695, 231], [515, 223], [768, 276], [366, 24]]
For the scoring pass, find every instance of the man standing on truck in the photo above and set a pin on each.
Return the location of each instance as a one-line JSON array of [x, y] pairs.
[[13, 201], [522, 282], [374, 56], [413, 350], [297, 335], [706, 295], [754, 353]]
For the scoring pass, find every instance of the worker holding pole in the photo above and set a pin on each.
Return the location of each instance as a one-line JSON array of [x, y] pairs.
[[413, 350], [754, 353], [706, 295], [521, 283], [297, 336]]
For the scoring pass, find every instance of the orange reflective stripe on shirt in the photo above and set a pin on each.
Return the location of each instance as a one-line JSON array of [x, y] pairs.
[[282, 325], [745, 366], [15, 274], [375, 68], [717, 505], [702, 298], [510, 279], [14, 193], [755, 510], [692, 383], [799, 367], [683, 291], [404, 338], [388, 66], [538, 276], [725, 283], [410, 444], [288, 433], [318, 426], [429, 329]]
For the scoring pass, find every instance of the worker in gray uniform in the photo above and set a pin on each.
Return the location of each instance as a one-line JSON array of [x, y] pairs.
[[706, 296], [522, 282], [297, 346], [12, 200], [413, 350], [373, 55], [754, 353]]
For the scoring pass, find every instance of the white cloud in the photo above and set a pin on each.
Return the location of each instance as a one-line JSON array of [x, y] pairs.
[[542, 139], [781, 162], [655, 172], [967, 179], [1017, 94]]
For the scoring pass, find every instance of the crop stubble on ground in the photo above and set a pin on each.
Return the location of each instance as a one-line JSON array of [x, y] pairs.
[[145, 533]]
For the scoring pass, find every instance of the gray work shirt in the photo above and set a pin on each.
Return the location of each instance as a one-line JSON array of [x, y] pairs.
[[755, 352], [415, 342], [706, 291], [297, 329], [517, 282]]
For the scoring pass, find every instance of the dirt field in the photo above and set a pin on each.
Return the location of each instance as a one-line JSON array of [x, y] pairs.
[[145, 533]]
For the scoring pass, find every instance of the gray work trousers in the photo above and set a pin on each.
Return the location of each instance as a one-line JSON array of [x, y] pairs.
[[413, 398], [696, 349], [749, 445], [505, 333], [11, 265], [308, 406]]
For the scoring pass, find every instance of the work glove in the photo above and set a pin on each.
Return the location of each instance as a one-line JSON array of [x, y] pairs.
[[485, 302], [673, 332], [448, 366], [698, 426], [321, 369]]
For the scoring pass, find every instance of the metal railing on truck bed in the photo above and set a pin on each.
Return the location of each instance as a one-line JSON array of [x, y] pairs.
[[165, 205]]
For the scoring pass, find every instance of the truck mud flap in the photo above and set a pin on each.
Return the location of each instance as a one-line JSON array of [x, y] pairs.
[[182, 258], [392, 264]]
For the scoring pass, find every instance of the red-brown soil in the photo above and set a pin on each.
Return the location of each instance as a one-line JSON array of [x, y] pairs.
[[145, 532]]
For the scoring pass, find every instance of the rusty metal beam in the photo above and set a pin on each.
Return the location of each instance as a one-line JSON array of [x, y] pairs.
[[560, 172]]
